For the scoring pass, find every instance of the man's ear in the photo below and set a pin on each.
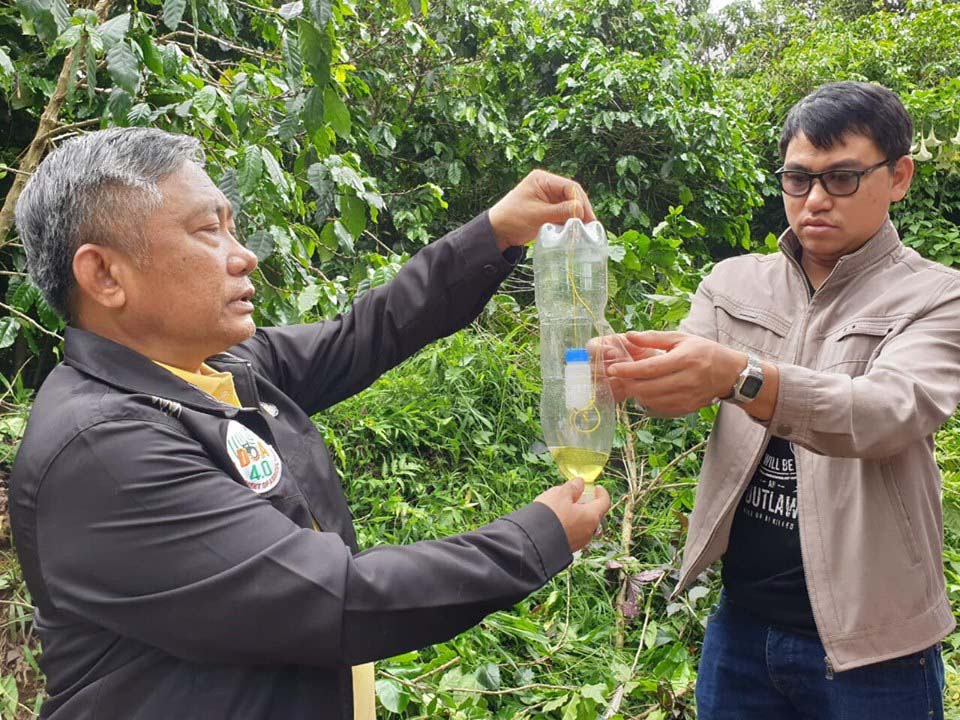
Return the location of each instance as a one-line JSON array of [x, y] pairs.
[[902, 176], [99, 272]]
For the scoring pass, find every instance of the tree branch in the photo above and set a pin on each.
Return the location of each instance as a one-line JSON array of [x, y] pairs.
[[38, 326], [48, 125]]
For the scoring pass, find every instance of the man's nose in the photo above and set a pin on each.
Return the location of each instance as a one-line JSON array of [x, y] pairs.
[[241, 261], [818, 198]]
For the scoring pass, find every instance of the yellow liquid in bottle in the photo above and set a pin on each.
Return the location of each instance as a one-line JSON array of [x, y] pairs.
[[574, 462]]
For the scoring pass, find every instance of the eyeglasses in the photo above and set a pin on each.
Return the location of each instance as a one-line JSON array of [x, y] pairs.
[[839, 183]]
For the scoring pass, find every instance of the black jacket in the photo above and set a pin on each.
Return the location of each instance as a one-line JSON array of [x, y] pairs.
[[166, 587]]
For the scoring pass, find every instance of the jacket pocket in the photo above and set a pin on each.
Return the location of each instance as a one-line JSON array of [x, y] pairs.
[[904, 524], [750, 329], [850, 348]]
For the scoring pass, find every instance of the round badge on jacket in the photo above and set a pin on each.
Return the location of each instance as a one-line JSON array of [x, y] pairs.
[[255, 459]]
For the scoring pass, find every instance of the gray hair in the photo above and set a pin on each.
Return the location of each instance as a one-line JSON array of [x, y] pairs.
[[98, 188]]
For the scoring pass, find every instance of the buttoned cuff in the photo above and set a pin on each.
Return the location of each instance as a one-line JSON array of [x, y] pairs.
[[478, 248], [793, 411]]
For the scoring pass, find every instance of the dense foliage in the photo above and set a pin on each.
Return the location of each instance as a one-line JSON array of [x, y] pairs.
[[349, 134]]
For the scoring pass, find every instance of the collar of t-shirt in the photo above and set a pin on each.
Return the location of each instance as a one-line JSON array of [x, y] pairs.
[[218, 385]]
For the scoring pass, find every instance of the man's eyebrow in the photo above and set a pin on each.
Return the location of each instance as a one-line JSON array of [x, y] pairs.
[[845, 164], [214, 207]]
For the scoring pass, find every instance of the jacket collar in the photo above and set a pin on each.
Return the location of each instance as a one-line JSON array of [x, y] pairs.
[[885, 241], [120, 367]]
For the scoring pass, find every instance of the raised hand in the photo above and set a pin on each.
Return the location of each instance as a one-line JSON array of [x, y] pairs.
[[539, 198]]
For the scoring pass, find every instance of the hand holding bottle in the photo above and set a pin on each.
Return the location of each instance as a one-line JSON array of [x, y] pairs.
[[579, 520], [539, 198]]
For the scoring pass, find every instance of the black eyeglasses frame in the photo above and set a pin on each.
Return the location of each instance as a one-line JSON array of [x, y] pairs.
[[819, 176]]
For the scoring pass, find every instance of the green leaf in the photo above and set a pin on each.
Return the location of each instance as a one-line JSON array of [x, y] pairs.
[[315, 49], [392, 696], [313, 110], [171, 60], [67, 39], [151, 58], [454, 170], [46, 16], [353, 214], [114, 30], [139, 114], [319, 179], [290, 10], [119, 104], [9, 696], [249, 170], [49, 317], [228, 186], [308, 298], [173, 12], [292, 57], [288, 127], [260, 244], [328, 240], [344, 237], [61, 14], [597, 693], [572, 710], [205, 102], [90, 64], [9, 328], [320, 10], [274, 171], [336, 113], [488, 675], [6, 69], [123, 67]]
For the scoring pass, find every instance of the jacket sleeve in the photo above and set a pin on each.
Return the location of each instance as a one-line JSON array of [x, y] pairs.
[[138, 532], [439, 291], [702, 318], [911, 388]]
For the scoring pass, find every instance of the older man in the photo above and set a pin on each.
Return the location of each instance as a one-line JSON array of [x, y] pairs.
[[837, 358], [170, 485]]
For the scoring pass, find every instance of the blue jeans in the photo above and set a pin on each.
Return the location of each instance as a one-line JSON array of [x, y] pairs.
[[750, 670]]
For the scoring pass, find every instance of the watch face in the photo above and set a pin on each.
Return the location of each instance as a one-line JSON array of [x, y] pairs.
[[751, 386]]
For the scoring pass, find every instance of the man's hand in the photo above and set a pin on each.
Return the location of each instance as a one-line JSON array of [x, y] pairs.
[[579, 521], [612, 349], [687, 374], [540, 198]]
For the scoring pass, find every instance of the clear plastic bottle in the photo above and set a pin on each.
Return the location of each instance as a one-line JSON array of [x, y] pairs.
[[577, 411]]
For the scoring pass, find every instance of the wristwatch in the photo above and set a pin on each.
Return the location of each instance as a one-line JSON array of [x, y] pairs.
[[748, 385]]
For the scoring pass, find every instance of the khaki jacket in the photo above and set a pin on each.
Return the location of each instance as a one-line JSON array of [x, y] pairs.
[[869, 369]]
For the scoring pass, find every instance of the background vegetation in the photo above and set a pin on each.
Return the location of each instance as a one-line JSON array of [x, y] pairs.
[[349, 134]]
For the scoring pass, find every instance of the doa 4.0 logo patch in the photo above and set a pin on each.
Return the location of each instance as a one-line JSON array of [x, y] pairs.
[[257, 462]]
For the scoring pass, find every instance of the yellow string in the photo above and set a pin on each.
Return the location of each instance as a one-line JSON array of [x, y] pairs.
[[590, 409]]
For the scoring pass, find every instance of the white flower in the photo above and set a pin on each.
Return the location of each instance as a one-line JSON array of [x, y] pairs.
[[931, 139], [923, 154]]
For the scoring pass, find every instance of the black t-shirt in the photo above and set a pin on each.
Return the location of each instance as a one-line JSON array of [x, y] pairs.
[[763, 568]]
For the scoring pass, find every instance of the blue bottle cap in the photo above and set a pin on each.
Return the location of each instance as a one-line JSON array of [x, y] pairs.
[[575, 355]]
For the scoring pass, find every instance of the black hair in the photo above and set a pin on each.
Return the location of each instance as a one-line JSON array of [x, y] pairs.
[[835, 109]]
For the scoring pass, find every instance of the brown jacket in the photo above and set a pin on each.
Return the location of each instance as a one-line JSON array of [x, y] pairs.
[[869, 369]]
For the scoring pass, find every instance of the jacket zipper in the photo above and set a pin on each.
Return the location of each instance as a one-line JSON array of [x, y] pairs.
[[732, 503], [766, 438], [811, 293]]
